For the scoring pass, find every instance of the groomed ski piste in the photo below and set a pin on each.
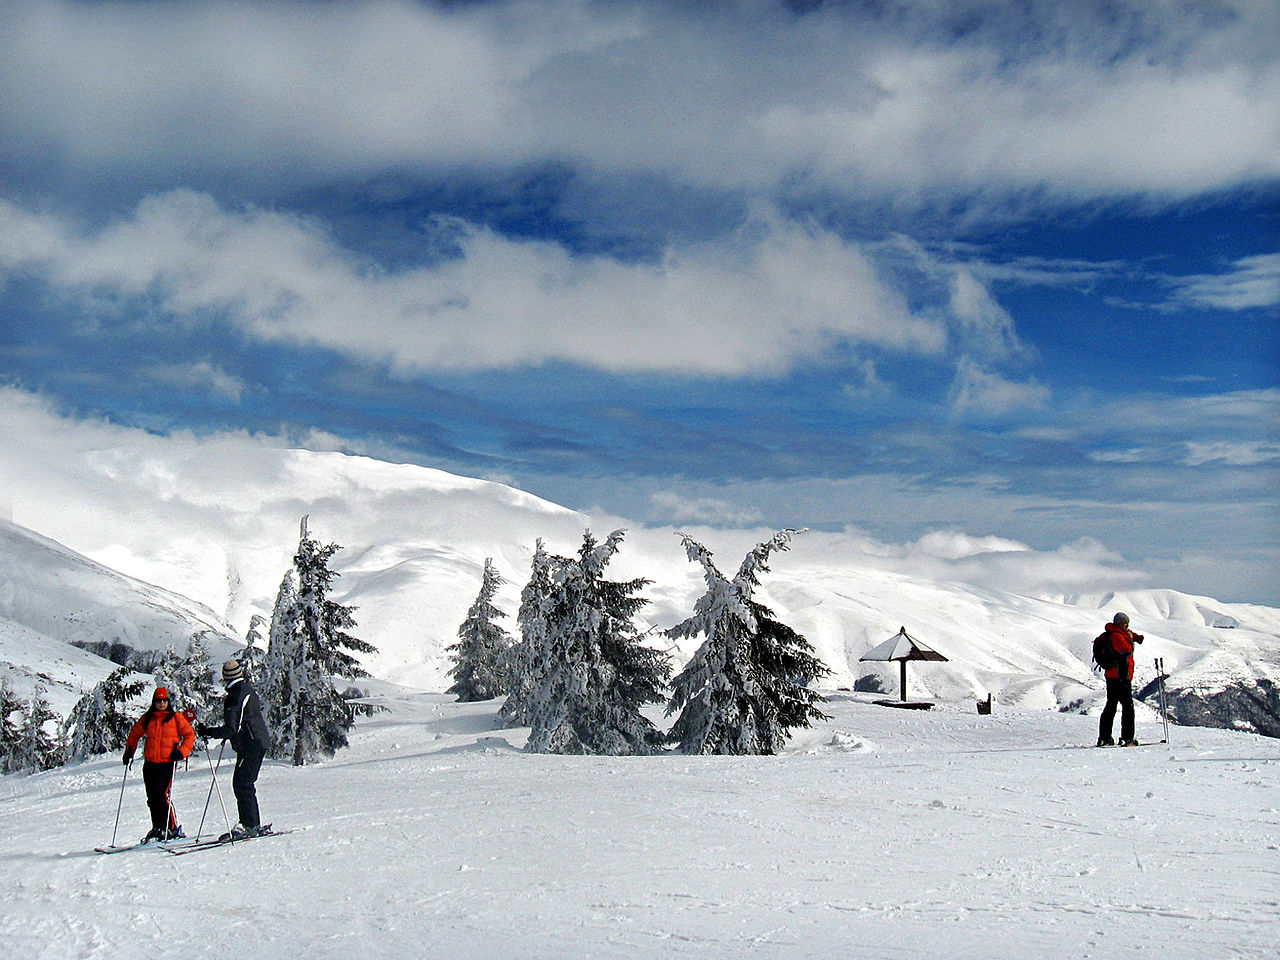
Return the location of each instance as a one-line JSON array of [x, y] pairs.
[[878, 833]]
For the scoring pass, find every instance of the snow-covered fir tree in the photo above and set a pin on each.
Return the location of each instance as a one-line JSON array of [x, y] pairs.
[[594, 670], [311, 717], [189, 678], [482, 642], [196, 677], [745, 688], [11, 711], [101, 719], [39, 745], [276, 676], [255, 643], [536, 600]]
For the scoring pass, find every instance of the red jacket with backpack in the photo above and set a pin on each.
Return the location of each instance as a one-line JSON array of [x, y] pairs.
[[1122, 641]]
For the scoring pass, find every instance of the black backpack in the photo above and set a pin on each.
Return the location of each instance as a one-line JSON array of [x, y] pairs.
[[1104, 655]]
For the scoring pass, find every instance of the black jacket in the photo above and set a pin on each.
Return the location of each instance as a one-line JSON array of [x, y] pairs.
[[242, 721]]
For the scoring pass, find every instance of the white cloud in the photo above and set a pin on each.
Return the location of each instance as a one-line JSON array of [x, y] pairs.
[[1136, 98], [980, 392], [672, 508], [955, 545], [1252, 282], [983, 323], [758, 302], [1232, 453], [201, 375]]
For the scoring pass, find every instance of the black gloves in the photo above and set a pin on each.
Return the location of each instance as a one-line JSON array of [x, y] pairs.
[[128, 757], [202, 729], [177, 753]]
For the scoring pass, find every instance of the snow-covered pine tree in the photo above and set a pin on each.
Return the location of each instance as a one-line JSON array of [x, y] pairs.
[[745, 688], [10, 725], [536, 600], [316, 717], [481, 645], [276, 685], [595, 671], [255, 643], [166, 673], [37, 748], [100, 721], [195, 678], [188, 676]]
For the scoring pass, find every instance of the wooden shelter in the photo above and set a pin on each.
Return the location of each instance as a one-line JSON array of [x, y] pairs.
[[903, 647]]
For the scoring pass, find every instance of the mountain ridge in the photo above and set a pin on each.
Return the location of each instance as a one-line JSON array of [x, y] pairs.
[[415, 540]]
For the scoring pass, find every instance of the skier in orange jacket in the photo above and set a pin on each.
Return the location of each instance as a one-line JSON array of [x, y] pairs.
[[169, 738]]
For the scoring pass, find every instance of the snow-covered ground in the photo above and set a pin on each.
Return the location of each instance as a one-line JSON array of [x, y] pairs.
[[880, 833]]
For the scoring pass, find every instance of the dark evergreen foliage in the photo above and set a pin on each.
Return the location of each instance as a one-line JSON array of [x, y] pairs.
[[101, 719], [311, 646], [594, 671], [37, 746], [746, 687], [481, 645], [536, 601]]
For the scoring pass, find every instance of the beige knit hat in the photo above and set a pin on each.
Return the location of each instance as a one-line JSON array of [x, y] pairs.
[[232, 670]]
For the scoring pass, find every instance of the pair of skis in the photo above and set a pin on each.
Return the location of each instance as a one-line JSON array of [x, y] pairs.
[[225, 842], [1143, 743], [124, 847], [179, 846]]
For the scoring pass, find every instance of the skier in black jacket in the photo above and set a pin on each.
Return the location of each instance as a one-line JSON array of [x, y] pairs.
[[243, 725]]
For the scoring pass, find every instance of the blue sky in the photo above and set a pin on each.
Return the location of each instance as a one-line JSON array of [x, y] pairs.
[[898, 267]]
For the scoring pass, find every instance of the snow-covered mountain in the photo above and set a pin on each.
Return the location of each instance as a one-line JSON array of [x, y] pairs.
[[52, 598], [219, 524]]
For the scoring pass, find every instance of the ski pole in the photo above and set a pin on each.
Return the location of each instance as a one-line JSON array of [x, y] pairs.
[[1164, 704], [213, 784], [120, 803], [170, 816]]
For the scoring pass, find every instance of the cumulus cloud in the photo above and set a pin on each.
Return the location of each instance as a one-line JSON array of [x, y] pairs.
[[951, 555], [919, 101], [757, 302], [955, 545]]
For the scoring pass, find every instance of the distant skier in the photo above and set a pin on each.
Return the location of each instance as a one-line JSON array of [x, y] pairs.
[[1119, 682], [169, 739], [243, 725]]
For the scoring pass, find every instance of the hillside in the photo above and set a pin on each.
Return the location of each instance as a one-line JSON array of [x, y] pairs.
[[415, 541], [51, 597]]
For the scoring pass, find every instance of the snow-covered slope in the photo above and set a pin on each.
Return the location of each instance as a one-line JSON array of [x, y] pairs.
[[51, 596], [877, 834], [220, 523]]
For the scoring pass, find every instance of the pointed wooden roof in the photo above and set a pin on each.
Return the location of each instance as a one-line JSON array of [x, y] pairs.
[[902, 646]]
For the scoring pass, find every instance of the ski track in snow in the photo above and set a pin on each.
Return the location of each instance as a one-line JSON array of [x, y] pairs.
[[880, 833]]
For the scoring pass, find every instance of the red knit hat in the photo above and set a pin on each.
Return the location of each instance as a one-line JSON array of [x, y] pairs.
[[161, 692]]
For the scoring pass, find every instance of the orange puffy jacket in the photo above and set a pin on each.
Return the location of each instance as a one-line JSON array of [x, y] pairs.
[[164, 730]]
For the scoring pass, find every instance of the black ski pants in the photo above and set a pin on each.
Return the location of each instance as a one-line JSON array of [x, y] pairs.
[[158, 778], [1119, 694], [243, 780]]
